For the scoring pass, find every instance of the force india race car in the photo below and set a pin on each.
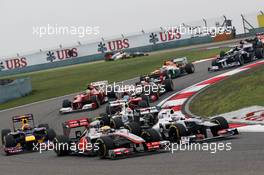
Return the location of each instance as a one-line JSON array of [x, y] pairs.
[[175, 68], [92, 98], [24, 138], [91, 139], [248, 50]]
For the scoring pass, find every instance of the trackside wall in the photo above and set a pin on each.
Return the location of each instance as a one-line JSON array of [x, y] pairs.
[[16, 89]]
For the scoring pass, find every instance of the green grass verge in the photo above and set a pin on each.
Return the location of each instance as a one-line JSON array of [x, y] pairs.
[[241, 90], [61, 81]]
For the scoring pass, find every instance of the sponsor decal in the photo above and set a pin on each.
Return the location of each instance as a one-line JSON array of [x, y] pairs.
[[61, 54], [153, 38], [13, 63], [101, 47]]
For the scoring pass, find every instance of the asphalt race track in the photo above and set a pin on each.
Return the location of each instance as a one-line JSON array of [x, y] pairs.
[[246, 156]]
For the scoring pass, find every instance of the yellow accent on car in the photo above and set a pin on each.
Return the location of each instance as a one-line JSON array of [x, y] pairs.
[[30, 138], [41, 140]]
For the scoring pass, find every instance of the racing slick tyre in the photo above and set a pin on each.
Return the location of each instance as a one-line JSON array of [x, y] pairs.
[[222, 124], [43, 126], [143, 104], [4, 133], [151, 119], [240, 60], [168, 85], [189, 68], [111, 95], [105, 120], [66, 103], [146, 99], [9, 141], [134, 128], [214, 63], [116, 123], [95, 100], [169, 74], [61, 145], [259, 53], [150, 135], [105, 144], [110, 110], [51, 134], [176, 131]]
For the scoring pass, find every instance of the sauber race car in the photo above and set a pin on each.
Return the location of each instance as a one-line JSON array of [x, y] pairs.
[[25, 137], [175, 68], [91, 139], [92, 98], [175, 128]]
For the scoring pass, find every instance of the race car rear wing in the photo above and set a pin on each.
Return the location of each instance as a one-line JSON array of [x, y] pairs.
[[20, 118], [180, 60], [24, 119], [83, 122], [99, 83], [117, 103], [144, 111], [152, 77]]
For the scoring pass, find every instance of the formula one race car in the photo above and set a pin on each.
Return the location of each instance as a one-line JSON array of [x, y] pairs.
[[92, 98], [260, 37], [138, 54], [175, 128], [145, 116], [248, 50], [111, 56], [116, 106], [91, 139], [158, 82], [27, 136], [175, 68], [232, 58]]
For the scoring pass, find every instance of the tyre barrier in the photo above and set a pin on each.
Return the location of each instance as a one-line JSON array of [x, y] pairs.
[[15, 89]]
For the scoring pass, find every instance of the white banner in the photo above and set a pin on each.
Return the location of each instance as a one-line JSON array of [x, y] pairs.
[[140, 40]]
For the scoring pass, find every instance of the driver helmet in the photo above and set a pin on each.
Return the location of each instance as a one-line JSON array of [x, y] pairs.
[[90, 87], [147, 79], [105, 129], [88, 91], [26, 127]]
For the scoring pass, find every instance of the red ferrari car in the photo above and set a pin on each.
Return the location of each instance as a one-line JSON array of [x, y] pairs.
[[92, 98]]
